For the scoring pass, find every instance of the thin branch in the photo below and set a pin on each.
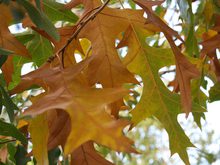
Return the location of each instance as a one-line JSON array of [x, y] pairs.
[[8, 141], [79, 27], [82, 24], [12, 140], [167, 71]]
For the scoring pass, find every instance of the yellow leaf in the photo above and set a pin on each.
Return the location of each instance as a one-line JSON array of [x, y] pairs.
[[156, 99], [38, 129], [66, 89], [22, 123]]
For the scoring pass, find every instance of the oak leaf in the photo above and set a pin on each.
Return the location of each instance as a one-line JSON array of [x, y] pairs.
[[67, 91], [9, 42], [156, 99], [38, 129], [106, 68], [59, 128], [185, 71], [87, 155]]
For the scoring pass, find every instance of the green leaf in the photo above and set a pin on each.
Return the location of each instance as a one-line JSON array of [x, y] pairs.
[[11, 151], [197, 118], [156, 99], [25, 38], [200, 98], [187, 15], [18, 63], [3, 60], [132, 4], [214, 93], [2, 81], [192, 48], [7, 129], [8, 103], [40, 49], [56, 12], [40, 19]]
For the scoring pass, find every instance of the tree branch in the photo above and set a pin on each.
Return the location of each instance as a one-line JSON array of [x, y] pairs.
[[82, 23], [12, 140]]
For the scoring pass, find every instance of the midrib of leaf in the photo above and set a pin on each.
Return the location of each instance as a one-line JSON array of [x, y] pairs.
[[105, 48], [149, 66]]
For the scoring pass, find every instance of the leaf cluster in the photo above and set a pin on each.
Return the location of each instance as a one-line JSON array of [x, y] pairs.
[[88, 64]]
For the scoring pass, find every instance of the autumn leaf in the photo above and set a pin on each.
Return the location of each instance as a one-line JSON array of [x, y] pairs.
[[59, 128], [97, 73], [87, 155], [39, 135], [185, 71], [9, 42], [68, 95], [156, 99], [106, 68]]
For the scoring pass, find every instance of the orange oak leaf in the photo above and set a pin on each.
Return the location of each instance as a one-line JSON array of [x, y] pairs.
[[87, 155], [68, 91], [8, 69], [9, 42], [185, 71], [210, 45], [106, 68]]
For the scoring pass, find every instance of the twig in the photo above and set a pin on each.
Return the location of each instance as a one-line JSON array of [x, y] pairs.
[[79, 27], [8, 141], [12, 140], [167, 71]]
